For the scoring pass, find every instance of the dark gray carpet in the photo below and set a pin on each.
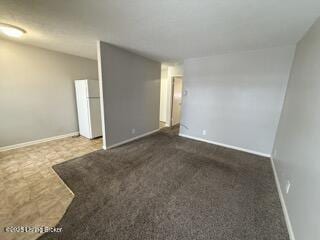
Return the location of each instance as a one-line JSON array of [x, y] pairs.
[[167, 187]]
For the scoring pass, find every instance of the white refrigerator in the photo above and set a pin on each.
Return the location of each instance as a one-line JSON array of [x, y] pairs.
[[88, 106]]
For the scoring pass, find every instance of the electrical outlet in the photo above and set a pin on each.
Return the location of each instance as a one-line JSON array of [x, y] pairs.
[[133, 130], [204, 132], [288, 186]]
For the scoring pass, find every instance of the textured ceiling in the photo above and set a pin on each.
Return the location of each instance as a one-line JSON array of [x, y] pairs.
[[166, 30]]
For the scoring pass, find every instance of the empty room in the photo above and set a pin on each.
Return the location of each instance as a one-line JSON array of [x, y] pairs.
[[153, 120]]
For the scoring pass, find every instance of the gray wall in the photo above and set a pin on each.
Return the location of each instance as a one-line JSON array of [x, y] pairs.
[[131, 93], [237, 98], [37, 98], [296, 151]]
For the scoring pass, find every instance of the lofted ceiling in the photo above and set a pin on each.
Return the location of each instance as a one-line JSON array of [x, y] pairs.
[[165, 30]]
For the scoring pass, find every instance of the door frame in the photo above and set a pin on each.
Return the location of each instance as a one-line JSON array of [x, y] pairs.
[[172, 94]]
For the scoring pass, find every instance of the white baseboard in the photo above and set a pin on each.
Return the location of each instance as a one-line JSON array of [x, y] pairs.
[[226, 145], [25, 144], [283, 204], [130, 140]]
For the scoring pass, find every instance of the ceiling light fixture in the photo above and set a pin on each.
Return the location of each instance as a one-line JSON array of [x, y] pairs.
[[11, 31]]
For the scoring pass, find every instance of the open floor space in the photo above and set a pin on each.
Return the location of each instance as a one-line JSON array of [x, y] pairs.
[[159, 120], [167, 187]]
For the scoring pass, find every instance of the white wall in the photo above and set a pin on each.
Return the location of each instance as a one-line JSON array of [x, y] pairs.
[[37, 96], [131, 93], [237, 98], [296, 151]]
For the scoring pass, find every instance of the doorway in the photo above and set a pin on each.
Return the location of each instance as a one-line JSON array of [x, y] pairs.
[[170, 95], [176, 100]]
